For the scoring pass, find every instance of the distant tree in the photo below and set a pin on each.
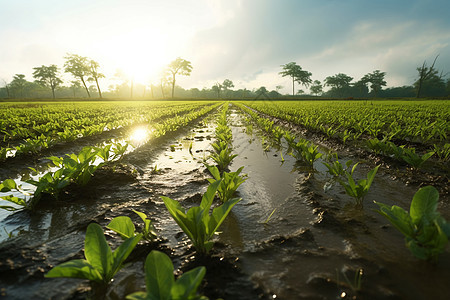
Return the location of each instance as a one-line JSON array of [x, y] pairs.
[[434, 85], [300, 92], [339, 83], [424, 73], [227, 85], [18, 84], [447, 88], [216, 88], [47, 77], [316, 88], [6, 88], [95, 74], [297, 74], [79, 67], [376, 80], [179, 66], [278, 88], [75, 86]]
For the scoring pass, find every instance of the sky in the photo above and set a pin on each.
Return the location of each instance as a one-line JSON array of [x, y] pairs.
[[245, 41]]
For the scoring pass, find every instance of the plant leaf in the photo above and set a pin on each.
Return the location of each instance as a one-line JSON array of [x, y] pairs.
[[159, 277], [123, 226], [78, 268], [398, 217], [424, 205], [97, 251], [121, 254], [187, 284]]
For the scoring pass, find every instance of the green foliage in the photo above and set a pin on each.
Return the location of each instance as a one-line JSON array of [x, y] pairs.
[[101, 264], [358, 190], [123, 226], [426, 232], [223, 159], [161, 284], [305, 152], [197, 223], [230, 182]]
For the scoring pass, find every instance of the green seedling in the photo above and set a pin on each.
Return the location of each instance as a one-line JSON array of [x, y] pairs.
[[161, 284], [219, 145], [197, 223], [426, 232], [443, 152], [123, 226], [270, 216], [413, 159], [230, 182], [358, 190], [101, 264], [223, 159]]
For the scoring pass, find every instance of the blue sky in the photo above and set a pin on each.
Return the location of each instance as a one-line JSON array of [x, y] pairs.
[[245, 41]]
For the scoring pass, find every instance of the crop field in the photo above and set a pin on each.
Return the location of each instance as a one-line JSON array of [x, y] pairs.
[[225, 200]]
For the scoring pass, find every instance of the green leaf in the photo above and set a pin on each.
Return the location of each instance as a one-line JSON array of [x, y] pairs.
[[8, 185], [424, 205], [186, 286], [137, 296], [123, 226], [78, 268], [97, 251], [121, 254], [15, 200], [208, 197], [219, 214], [159, 277], [398, 217], [178, 215], [214, 172]]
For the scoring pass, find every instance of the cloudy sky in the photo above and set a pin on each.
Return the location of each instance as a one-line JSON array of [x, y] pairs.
[[245, 41]]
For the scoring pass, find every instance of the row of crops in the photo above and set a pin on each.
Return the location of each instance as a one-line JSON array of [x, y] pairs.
[[378, 128], [407, 131], [29, 130]]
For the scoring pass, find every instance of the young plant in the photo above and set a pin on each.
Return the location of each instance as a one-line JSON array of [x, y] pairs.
[[123, 226], [101, 264], [10, 185], [197, 223], [223, 159], [426, 232], [358, 190], [413, 159], [160, 282], [230, 182]]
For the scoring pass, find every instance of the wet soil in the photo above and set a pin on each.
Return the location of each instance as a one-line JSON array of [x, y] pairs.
[[310, 247]]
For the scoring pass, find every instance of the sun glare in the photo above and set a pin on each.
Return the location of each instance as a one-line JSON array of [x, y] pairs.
[[141, 55], [139, 135]]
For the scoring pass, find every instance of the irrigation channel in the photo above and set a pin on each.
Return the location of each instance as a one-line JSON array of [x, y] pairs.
[[287, 238]]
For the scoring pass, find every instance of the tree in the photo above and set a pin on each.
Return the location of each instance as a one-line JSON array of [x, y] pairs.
[[95, 74], [300, 92], [216, 88], [79, 67], [6, 87], [338, 83], [316, 88], [297, 74], [434, 85], [75, 85], [424, 74], [227, 85], [18, 84], [376, 80], [47, 77], [179, 66]]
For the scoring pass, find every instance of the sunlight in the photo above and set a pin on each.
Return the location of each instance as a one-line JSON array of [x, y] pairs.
[[140, 54], [139, 135]]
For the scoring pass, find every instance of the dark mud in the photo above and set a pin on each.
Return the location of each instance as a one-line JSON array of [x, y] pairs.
[[310, 248]]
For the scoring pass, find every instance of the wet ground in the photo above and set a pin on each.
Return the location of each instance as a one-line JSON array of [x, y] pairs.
[[287, 238]]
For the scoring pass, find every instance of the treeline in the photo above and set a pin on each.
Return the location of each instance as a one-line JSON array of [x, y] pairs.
[[86, 74]]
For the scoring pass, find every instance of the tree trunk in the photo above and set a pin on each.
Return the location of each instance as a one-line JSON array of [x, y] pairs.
[[84, 83], [98, 87], [173, 85], [293, 89], [7, 91], [53, 91], [162, 89]]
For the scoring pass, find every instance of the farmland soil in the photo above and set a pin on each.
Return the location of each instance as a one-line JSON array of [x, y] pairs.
[[287, 238]]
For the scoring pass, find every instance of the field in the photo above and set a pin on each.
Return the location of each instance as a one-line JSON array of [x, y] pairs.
[[302, 224]]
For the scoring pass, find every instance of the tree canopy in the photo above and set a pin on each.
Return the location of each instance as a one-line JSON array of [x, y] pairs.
[[179, 66], [48, 77], [297, 74]]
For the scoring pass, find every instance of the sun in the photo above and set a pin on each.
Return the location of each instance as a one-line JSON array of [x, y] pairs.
[[140, 54]]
